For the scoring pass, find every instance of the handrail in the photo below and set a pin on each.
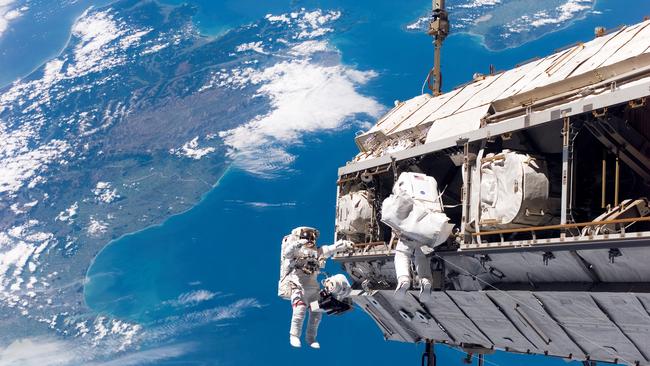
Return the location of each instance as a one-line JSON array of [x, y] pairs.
[[562, 226], [371, 244]]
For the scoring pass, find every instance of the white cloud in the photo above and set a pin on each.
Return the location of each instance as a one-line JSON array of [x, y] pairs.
[[192, 298], [256, 204], [148, 356], [69, 214], [174, 325], [36, 352], [421, 24], [305, 97], [96, 49], [192, 150], [105, 193], [480, 4], [251, 46], [309, 47], [309, 24], [96, 227], [8, 14], [41, 351], [20, 165], [565, 12]]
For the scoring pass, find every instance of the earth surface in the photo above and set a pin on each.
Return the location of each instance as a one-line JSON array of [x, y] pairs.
[[154, 153]]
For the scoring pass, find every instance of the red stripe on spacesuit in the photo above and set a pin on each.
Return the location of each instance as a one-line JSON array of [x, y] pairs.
[[298, 303]]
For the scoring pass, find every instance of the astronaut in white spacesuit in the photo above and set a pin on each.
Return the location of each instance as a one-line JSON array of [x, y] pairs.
[[300, 265], [415, 213]]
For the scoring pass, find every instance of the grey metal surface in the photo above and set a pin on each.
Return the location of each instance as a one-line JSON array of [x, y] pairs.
[[626, 311], [391, 313], [528, 315], [421, 320], [589, 327], [631, 266], [531, 267], [390, 328], [452, 318], [610, 327], [503, 334]]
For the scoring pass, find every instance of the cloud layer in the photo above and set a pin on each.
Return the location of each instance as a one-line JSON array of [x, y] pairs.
[[305, 97]]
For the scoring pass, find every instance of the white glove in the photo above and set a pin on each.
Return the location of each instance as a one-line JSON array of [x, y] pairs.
[[343, 246], [339, 246]]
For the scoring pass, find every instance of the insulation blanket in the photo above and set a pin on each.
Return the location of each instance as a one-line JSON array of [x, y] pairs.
[[513, 190], [353, 213]]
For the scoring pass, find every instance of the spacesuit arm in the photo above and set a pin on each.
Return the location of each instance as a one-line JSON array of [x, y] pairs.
[[292, 248], [340, 246]]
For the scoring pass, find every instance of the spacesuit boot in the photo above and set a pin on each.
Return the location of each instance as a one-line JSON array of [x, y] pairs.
[[402, 269], [312, 329], [294, 341], [297, 317], [425, 290], [403, 285], [423, 269]]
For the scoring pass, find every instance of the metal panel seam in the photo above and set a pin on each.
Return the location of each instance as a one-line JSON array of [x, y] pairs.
[[548, 312], [624, 44], [604, 311], [511, 322], [470, 319], [444, 330]]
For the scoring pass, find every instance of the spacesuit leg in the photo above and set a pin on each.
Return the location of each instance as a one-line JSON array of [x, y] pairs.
[[297, 318], [423, 269], [312, 327], [403, 254], [312, 293]]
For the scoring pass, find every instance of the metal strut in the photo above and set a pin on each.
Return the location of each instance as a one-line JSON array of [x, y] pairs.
[[429, 355], [438, 29]]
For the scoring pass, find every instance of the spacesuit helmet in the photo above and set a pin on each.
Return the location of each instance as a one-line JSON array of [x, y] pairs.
[[304, 232]]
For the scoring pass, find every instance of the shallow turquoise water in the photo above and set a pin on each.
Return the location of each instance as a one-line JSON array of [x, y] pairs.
[[226, 245]]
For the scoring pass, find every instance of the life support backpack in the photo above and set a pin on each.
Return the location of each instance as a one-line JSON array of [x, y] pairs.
[[415, 210], [284, 290]]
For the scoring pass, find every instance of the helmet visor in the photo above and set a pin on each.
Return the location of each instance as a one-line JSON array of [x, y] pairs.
[[309, 235]]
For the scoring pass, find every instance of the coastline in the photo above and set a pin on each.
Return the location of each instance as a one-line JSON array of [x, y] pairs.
[[226, 171], [480, 38], [38, 63]]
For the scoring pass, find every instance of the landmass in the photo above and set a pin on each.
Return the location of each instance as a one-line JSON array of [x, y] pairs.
[[503, 24]]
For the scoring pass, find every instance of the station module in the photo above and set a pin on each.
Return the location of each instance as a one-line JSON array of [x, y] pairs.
[[544, 171]]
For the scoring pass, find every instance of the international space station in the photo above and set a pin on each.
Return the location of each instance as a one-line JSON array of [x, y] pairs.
[[544, 172]]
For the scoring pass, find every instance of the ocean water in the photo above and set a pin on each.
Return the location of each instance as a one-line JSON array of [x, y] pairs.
[[38, 35], [228, 244]]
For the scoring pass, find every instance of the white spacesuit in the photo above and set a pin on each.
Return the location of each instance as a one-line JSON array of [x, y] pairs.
[[414, 211], [300, 265]]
